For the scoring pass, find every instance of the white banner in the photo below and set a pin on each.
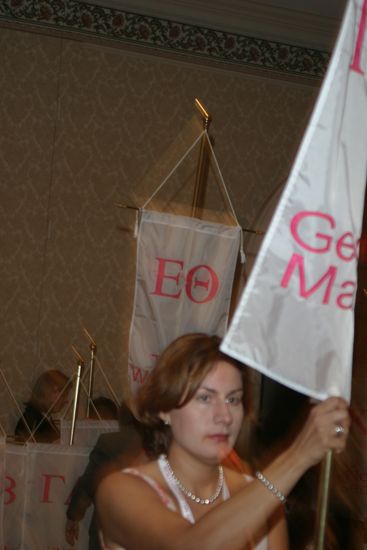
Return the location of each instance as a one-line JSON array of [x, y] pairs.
[[295, 320], [184, 276], [13, 485], [38, 483]]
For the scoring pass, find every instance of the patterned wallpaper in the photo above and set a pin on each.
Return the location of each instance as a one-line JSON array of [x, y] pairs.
[[84, 126]]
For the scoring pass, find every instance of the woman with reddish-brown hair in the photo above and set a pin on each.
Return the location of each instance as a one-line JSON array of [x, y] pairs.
[[196, 398]]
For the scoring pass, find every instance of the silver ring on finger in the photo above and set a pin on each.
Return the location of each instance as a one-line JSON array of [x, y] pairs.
[[339, 430]]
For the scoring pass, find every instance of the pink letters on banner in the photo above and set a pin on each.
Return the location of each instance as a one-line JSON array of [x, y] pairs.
[[324, 240], [211, 284], [356, 63], [139, 374], [162, 275], [47, 486], [346, 248], [11, 496], [202, 277]]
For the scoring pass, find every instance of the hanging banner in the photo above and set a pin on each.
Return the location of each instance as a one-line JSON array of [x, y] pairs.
[[295, 320], [38, 482], [13, 485], [184, 276]]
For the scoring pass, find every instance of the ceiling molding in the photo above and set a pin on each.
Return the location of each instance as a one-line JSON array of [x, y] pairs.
[[308, 23], [91, 22]]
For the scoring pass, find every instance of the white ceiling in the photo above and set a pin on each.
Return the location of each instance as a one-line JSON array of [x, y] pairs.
[[312, 23]]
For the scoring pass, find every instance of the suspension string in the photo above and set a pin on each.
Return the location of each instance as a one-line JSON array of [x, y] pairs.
[[107, 382], [173, 169], [242, 253]]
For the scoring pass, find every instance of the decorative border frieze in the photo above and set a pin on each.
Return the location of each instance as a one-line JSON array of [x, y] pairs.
[[108, 23]]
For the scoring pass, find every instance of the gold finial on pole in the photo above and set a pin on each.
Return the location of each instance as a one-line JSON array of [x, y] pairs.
[[80, 365], [204, 113], [202, 168], [93, 351]]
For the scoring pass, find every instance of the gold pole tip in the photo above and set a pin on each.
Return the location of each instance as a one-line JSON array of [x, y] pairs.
[[204, 113]]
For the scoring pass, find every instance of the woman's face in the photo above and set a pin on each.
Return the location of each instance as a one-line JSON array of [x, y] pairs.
[[208, 425]]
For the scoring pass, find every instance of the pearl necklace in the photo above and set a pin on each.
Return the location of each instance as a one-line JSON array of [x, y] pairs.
[[190, 494]]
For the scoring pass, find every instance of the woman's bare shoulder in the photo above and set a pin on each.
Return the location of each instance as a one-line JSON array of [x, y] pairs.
[[124, 495], [134, 475], [126, 503]]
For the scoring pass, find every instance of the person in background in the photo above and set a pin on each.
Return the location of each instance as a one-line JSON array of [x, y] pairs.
[[196, 397], [103, 408], [49, 396], [113, 451]]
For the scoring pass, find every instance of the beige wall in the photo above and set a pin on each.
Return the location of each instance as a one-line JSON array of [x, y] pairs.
[[81, 126]]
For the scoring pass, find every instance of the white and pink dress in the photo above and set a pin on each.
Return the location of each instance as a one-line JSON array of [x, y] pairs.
[[184, 508]]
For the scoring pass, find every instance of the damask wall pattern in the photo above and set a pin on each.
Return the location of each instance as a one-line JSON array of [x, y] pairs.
[[86, 126], [28, 112]]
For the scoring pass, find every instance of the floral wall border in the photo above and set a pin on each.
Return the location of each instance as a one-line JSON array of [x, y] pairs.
[[97, 21]]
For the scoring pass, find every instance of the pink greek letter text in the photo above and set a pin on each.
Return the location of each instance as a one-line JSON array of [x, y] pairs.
[[47, 486], [356, 63], [162, 275]]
